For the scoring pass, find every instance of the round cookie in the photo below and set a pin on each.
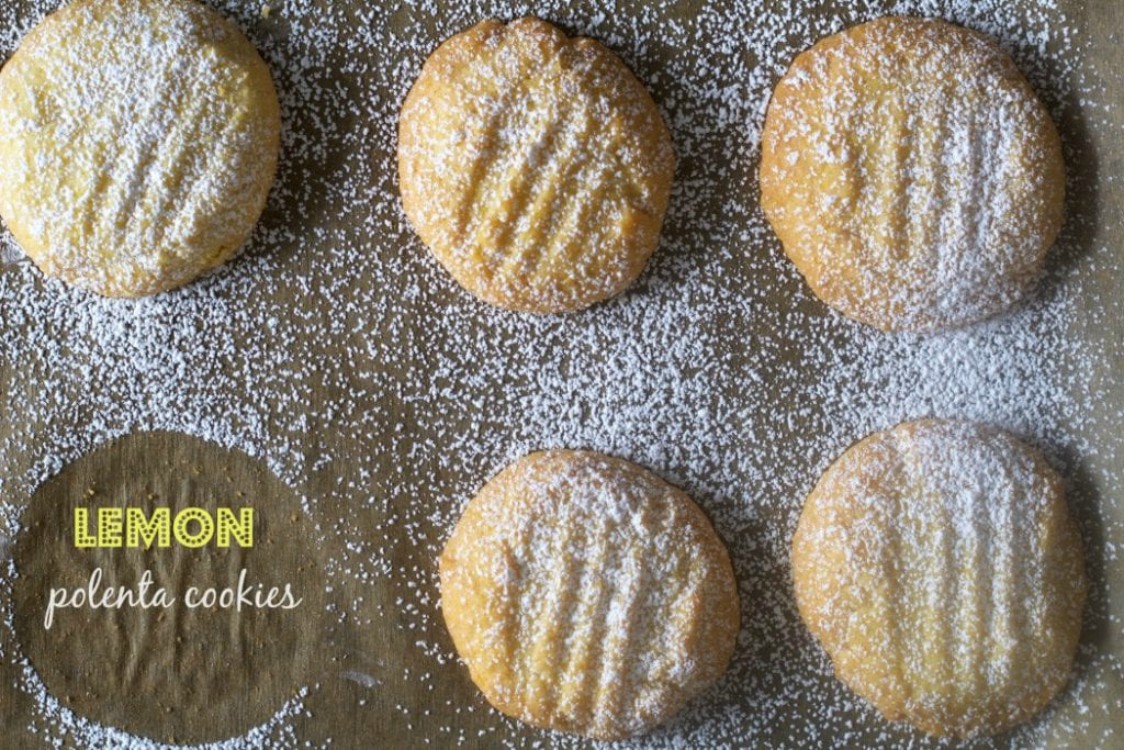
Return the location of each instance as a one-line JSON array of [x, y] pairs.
[[587, 595], [912, 175], [138, 143], [937, 564], [535, 166]]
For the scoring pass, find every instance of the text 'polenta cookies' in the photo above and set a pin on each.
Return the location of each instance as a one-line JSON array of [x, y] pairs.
[[535, 166], [587, 595], [938, 565], [138, 143], [912, 175]]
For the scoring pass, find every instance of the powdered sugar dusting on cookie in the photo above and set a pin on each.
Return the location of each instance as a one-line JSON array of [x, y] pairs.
[[912, 175], [139, 144], [340, 352], [937, 564], [588, 595], [535, 166]]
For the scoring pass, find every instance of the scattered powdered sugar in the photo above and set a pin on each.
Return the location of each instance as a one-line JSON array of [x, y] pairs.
[[57, 725], [337, 350], [9, 250]]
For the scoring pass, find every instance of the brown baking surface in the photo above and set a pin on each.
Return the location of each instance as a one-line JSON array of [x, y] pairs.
[[164, 672], [340, 357]]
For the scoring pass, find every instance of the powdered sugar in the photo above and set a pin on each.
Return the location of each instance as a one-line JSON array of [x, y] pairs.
[[911, 174], [588, 595], [937, 564], [535, 166], [131, 179], [340, 352]]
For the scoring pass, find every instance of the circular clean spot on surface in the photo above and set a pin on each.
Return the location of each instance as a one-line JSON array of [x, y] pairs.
[[172, 674]]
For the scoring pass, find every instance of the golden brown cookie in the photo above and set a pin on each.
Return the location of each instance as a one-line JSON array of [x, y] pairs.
[[138, 143], [535, 166], [938, 565], [911, 174], [587, 595]]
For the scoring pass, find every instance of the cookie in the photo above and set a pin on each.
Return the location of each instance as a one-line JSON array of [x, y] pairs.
[[138, 143], [535, 166], [587, 595], [912, 175], [937, 564]]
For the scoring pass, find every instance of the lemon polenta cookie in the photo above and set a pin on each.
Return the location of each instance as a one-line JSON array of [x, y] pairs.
[[938, 565], [138, 143], [587, 595], [911, 174], [535, 166]]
